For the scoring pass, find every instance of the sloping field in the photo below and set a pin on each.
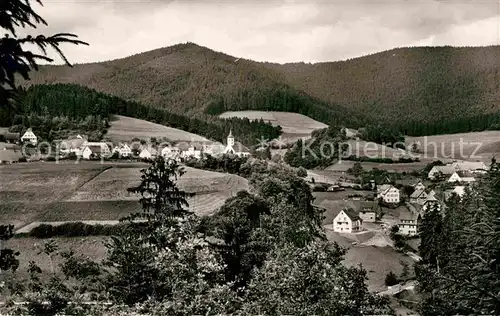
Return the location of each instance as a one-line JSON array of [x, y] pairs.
[[361, 148], [377, 261], [92, 191], [124, 129], [467, 146], [27, 191], [342, 166], [293, 125], [91, 247]]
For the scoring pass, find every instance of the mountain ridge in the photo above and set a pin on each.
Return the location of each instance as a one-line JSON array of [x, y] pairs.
[[405, 86]]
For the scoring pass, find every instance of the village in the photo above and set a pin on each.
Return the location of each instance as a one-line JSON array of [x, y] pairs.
[[79, 147], [396, 206]]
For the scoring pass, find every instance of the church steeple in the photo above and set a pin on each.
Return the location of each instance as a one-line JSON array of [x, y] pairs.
[[230, 139]]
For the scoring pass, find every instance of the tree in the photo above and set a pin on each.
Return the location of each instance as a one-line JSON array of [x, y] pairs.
[[161, 199], [460, 269], [310, 280], [15, 58], [302, 172], [8, 257], [391, 279]]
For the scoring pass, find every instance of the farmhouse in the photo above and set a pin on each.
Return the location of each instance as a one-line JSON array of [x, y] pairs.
[[95, 150], [388, 193], [368, 211], [431, 202], [194, 151], [350, 133], [74, 145], [347, 221], [471, 166], [147, 152], [235, 148], [408, 222], [123, 150], [171, 153], [460, 176], [214, 149], [29, 137], [419, 186], [441, 171], [458, 190], [418, 196]]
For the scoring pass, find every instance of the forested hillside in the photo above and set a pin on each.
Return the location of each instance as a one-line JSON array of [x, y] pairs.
[[417, 91], [56, 103], [197, 81]]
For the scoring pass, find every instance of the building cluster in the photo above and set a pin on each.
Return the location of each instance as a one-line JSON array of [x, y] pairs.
[[183, 150], [81, 147], [408, 209]]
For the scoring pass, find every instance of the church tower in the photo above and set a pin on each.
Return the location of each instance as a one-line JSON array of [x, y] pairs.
[[230, 139], [230, 143]]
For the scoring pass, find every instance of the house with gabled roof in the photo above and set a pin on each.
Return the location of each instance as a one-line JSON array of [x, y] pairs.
[[347, 221], [388, 193], [419, 186], [408, 222], [95, 150], [431, 202], [368, 211], [147, 152], [461, 176], [29, 137], [438, 171], [123, 150], [418, 196]]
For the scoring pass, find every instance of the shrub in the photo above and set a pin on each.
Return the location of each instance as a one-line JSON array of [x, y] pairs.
[[391, 279], [75, 229], [302, 172]]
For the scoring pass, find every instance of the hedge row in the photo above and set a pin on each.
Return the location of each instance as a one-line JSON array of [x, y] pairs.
[[76, 229]]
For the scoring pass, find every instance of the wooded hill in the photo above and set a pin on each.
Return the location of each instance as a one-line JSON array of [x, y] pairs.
[[417, 91], [56, 107]]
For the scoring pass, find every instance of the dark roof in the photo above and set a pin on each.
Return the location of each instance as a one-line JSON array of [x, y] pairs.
[[368, 206], [353, 215], [239, 147], [95, 149]]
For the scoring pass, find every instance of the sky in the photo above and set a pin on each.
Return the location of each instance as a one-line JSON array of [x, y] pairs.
[[269, 30]]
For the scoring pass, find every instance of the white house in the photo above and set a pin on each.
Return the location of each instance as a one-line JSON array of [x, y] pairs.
[[388, 193], [408, 222], [194, 151], [73, 145], [171, 153], [95, 150], [123, 150], [214, 149], [235, 148], [347, 221], [29, 137], [419, 186], [148, 152]]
